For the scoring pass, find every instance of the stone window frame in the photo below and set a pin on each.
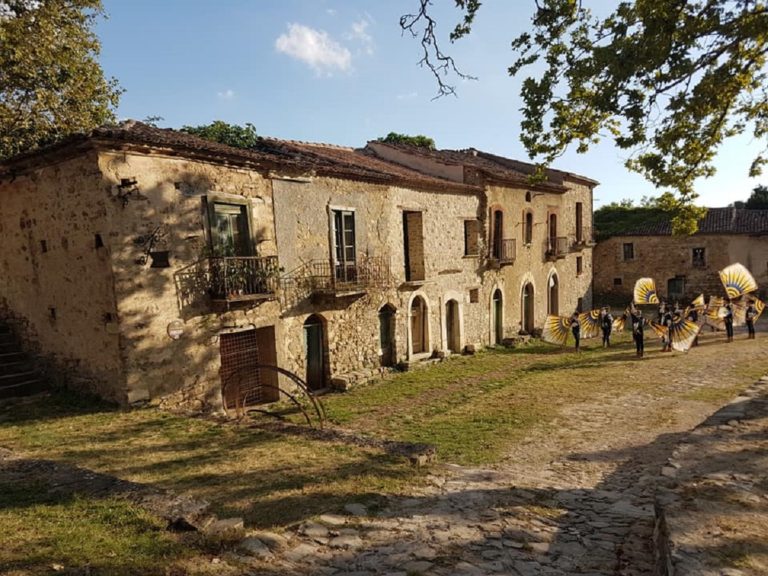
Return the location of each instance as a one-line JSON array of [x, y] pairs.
[[332, 209], [579, 265], [207, 202], [528, 227], [631, 251], [468, 234], [699, 257]]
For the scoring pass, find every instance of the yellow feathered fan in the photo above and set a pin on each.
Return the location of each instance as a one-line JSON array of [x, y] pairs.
[[556, 329], [645, 291], [737, 280]]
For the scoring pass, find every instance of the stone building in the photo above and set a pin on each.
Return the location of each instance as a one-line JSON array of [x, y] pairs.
[[538, 237], [147, 264], [683, 266]]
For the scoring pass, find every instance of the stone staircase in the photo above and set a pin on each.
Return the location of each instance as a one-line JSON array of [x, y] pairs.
[[18, 376]]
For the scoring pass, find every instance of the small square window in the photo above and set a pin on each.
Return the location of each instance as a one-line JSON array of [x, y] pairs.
[[579, 265], [474, 295], [629, 251], [617, 282], [699, 257]]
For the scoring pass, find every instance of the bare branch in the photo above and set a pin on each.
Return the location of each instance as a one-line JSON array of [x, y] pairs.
[[433, 57]]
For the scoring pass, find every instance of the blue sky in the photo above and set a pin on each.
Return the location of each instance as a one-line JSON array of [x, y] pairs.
[[340, 71]]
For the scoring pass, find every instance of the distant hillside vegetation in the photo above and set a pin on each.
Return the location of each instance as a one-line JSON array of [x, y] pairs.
[[615, 219]]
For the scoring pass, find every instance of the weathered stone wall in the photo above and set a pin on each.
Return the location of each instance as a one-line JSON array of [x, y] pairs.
[[531, 264], [170, 203], [303, 229], [55, 276], [667, 257]]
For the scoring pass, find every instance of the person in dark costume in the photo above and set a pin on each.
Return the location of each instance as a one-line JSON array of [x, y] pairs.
[[667, 323], [638, 322], [728, 321], [606, 324], [750, 315], [576, 329]]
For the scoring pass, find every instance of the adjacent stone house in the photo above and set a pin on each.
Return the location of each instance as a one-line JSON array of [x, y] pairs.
[[683, 266], [146, 264]]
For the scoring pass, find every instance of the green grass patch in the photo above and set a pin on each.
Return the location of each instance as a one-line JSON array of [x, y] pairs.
[[42, 531]]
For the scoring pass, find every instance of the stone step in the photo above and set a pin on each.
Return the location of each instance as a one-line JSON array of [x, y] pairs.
[[6, 357], [16, 378], [9, 346], [14, 367], [26, 388]]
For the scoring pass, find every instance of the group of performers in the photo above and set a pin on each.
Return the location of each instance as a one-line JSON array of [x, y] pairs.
[[677, 327]]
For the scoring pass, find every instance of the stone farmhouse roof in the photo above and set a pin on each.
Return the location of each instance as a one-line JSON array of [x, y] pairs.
[[492, 166], [281, 157], [717, 221]]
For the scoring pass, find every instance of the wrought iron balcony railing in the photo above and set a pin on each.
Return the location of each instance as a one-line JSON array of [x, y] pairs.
[[337, 279], [556, 247], [228, 279], [584, 237], [504, 251]]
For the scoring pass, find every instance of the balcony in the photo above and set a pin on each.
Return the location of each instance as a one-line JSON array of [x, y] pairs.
[[338, 280], [228, 279], [556, 248], [583, 239], [503, 252]]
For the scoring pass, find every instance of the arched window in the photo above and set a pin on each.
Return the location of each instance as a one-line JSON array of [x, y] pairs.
[[528, 230]]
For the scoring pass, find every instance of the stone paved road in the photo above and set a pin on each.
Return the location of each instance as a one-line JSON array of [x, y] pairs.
[[576, 498]]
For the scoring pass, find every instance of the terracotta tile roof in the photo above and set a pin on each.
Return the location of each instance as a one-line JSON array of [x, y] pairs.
[[294, 158], [493, 166], [717, 221], [332, 160]]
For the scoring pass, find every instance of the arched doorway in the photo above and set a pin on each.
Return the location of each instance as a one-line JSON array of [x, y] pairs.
[[553, 295], [497, 305], [452, 328], [527, 308], [387, 335], [419, 329], [315, 348]]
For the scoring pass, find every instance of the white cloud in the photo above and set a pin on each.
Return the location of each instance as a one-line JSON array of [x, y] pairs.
[[331, 11], [407, 96], [359, 33], [315, 48], [227, 94]]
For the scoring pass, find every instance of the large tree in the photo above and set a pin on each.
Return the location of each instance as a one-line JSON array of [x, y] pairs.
[[669, 80], [51, 84]]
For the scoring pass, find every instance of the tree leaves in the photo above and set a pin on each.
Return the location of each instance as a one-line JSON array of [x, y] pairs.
[[51, 84], [667, 80], [224, 133]]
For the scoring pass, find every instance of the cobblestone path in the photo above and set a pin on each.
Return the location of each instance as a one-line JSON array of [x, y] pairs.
[[576, 498]]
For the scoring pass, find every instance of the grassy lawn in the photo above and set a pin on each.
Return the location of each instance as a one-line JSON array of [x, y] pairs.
[[472, 408]]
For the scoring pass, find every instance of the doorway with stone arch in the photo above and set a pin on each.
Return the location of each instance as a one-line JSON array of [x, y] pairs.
[[527, 308], [497, 317], [553, 294], [316, 352], [419, 325], [387, 343], [453, 326]]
